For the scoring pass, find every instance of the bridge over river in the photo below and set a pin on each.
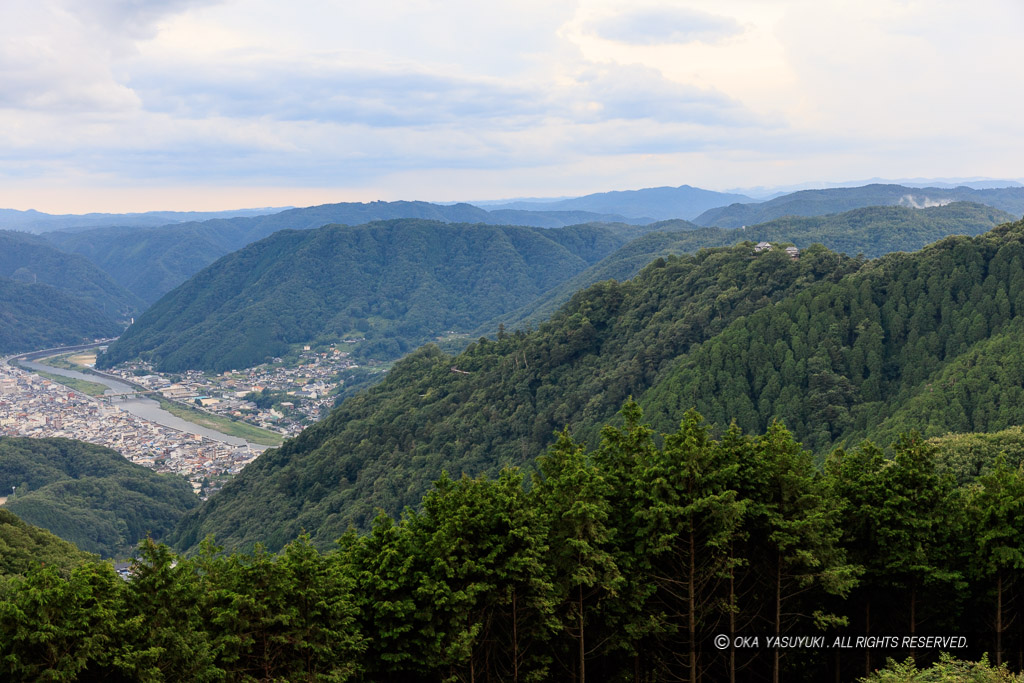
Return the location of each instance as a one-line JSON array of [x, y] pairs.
[[128, 397]]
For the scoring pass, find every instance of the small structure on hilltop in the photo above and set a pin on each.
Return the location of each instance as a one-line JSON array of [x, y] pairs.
[[762, 246], [793, 252]]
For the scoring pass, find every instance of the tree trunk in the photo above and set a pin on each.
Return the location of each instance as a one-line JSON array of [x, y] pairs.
[[999, 618], [778, 616], [515, 639], [583, 650], [913, 619], [692, 618], [732, 617], [867, 633]]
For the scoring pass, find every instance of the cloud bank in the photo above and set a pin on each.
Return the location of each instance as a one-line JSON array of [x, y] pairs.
[[251, 102]]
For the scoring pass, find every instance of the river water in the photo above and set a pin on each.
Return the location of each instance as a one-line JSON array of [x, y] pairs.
[[146, 408]]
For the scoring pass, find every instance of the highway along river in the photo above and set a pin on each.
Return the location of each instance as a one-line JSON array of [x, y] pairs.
[[146, 408]]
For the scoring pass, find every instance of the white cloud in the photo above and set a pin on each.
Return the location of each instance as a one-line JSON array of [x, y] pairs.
[[400, 97], [658, 25]]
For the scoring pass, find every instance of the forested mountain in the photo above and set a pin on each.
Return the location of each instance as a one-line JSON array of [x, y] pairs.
[[872, 231], [89, 495], [37, 221], [398, 283], [836, 200], [871, 355], [499, 401], [39, 316], [832, 346], [152, 262], [30, 259], [658, 203], [626, 561], [24, 547]]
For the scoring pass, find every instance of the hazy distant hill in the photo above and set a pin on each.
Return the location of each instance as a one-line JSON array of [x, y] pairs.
[[90, 495], [871, 231], [30, 259], [152, 262], [836, 200], [37, 221], [400, 283], [658, 203]]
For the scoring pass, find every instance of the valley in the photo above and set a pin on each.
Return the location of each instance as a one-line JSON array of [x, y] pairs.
[[368, 383]]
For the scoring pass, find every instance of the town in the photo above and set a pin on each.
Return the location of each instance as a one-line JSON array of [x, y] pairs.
[[280, 396], [33, 406]]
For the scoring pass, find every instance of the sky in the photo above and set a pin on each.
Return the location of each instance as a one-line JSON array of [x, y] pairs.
[[134, 105]]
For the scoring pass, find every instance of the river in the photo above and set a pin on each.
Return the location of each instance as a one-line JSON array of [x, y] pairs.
[[146, 408]]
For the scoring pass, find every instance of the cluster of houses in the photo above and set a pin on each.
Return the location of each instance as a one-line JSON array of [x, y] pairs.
[[791, 251], [303, 393], [36, 407]]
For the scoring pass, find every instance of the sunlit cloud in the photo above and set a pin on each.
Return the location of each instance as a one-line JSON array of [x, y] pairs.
[[419, 98]]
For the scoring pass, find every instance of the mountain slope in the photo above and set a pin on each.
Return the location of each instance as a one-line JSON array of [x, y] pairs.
[[659, 203], [89, 495], [499, 401], [836, 200], [24, 547], [152, 262], [872, 231], [30, 259], [831, 346], [40, 317], [398, 283], [37, 221], [838, 361]]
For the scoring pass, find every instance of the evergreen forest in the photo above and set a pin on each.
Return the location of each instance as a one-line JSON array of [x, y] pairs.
[[840, 349], [89, 495], [397, 284], [620, 562]]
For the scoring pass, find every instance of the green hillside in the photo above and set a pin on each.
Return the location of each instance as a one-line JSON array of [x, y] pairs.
[[836, 200], [31, 260], [24, 547], [89, 495], [839, 361], [151, 262], [871, 231], [399, 284], [498, 402], [37, 316], [833, 346]]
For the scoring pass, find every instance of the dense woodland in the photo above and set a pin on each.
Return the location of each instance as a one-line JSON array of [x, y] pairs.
[[151, 262], [38, 316], [873, 231], [31, 260], [617, 563], [838, 348], [860, 472], [399, 284], [89, 495]]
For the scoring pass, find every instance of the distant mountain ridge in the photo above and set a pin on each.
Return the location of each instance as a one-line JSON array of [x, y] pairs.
[[38, 222], [399, 283], [38, 316], [32, 260], [839, 348], [872, 231], [51, 298], [836, 200], [660, 203], [151, 262]]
